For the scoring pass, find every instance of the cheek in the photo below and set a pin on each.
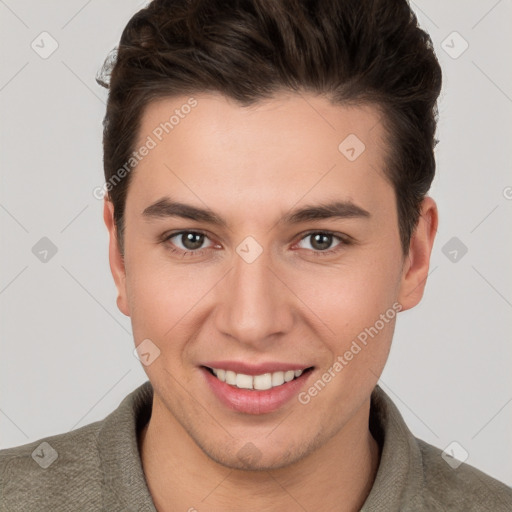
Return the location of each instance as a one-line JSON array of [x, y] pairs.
[[360, 309], [164, 297], [349, 296], [355, 309]]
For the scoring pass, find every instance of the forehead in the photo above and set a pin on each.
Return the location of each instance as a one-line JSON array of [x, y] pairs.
[[286, 148]]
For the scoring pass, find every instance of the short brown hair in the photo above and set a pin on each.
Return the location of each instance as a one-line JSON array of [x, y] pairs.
[[353, 51]]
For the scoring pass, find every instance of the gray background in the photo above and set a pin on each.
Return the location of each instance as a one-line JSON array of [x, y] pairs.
[[67, 352]]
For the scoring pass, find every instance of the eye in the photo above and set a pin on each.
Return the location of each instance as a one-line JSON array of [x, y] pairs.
[[187, 242], [321, 242]]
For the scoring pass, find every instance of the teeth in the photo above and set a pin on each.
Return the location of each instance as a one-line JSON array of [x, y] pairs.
[[258, 382], [262, 382], [289, 375], [277, 378], [243, 381]]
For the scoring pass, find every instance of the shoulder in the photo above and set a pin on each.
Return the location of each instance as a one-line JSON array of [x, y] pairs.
[[415, 476], [95, 467], [57, 471], [455, 486]]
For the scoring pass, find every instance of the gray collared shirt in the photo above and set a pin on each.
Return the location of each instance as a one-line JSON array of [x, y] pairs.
[[98, 467]]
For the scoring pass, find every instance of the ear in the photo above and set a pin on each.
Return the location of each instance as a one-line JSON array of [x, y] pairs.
[[417, 262], [117, 266]]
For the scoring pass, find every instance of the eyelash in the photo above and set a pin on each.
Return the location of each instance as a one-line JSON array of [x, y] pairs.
[[344, 241]]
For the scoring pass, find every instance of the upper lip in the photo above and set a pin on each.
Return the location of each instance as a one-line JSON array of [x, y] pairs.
[[255, 369]]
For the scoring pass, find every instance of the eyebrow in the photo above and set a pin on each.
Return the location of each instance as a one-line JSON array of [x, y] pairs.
[[165, 208]]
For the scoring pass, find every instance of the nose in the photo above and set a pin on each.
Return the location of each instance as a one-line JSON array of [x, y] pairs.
[[255, 306]]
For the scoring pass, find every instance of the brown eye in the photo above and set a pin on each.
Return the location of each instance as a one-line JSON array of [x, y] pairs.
[[320, 241], [192, 241], [187, 241]]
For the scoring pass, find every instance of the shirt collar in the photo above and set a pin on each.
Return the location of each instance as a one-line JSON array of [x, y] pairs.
[[123, 482], [399, 478]]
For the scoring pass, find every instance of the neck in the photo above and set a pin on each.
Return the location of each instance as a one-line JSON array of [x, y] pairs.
[[180, 476]]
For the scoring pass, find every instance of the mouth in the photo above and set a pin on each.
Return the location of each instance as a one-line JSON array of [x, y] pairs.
[[261, 382], [256, 391]]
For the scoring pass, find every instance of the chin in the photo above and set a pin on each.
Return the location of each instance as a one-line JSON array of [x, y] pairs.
[[249, 457]]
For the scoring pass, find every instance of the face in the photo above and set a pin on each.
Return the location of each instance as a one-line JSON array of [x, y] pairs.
[[286, 256]]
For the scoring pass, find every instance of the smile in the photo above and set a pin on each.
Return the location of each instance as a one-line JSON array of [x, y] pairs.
[[256, 382], [255, 388]]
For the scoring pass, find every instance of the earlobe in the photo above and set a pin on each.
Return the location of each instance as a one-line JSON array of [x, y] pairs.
[[117, 265], [417, 263]]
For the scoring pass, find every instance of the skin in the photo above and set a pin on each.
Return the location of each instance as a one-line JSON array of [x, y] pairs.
[[251, 165]]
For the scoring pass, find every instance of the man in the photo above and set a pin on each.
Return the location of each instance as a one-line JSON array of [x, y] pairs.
[[267, 166]]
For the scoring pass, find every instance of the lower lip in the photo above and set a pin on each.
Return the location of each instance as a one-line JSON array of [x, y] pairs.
[[253, 401]]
